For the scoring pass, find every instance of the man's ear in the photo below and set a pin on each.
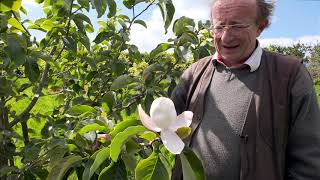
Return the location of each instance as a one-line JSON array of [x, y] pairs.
[[262, 26]]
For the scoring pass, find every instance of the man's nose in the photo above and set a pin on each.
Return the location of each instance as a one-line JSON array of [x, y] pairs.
[[226, 35]]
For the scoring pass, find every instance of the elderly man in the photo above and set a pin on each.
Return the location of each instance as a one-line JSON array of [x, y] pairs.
[[256, 115]]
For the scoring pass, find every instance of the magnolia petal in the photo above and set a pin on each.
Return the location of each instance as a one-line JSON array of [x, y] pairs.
[[146, 120], [172, 141], [163, 112], [183, 120]]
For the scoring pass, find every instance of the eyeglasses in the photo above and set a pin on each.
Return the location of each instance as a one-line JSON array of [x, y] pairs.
[[234, 28]]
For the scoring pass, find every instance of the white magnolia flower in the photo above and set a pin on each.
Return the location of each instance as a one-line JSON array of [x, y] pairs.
[[163, 118]]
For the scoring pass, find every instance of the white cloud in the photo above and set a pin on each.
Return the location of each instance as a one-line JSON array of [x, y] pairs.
[[282, 41], [147, 39], [29, 3]]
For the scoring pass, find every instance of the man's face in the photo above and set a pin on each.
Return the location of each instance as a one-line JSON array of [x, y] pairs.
[[235, 44]]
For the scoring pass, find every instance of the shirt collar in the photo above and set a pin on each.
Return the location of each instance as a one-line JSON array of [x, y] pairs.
[[253, 61]]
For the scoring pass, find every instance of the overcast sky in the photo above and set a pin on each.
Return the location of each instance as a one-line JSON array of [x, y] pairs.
[[293, 21]]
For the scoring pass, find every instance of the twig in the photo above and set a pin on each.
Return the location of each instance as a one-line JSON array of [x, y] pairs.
[[133, 100], [77, 10], [135, 17], [27, 31], [133, 14]]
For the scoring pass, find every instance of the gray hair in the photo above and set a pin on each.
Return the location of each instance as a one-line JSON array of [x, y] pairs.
[[265, 10]]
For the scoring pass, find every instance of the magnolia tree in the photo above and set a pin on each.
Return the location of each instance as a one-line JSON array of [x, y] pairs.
[[69, 105]]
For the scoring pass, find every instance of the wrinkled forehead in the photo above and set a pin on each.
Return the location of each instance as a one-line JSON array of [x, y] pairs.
[[234, 10]]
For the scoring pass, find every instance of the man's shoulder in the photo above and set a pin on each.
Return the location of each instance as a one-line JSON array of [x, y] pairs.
[[281, 59], [281, 65]]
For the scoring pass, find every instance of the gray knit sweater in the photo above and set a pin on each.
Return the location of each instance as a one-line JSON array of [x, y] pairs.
[[217, 139]]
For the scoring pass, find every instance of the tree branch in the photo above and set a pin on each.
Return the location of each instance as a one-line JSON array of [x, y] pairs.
[[69, 22], [36, 96], [25, 132], [4, 124]]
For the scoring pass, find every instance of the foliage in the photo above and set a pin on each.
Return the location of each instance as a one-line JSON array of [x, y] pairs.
[[58, 95]]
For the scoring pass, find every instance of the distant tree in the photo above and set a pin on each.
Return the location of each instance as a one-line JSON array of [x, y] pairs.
[[314, 67]]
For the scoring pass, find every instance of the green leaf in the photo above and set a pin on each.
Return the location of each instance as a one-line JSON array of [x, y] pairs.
[[23, 10], [187, 37], [148, 135], [100, 158], [130, 3], [167, 158], [151, 168], [182, 25], [3, 23], [15, 50], [120, 82], [203, 52], [60, 169], [31, 152], [47, 25], [87, 166], [89, 163], [90, 127], [160, 48], [152, 68], [84, 40], [70, 43], [8, 5], [191, 165], [80, 110], [104, 35], [130, 161], [108, 101], [80, 141], [120, 138], [56, 153], [116, 170], [39, 1], [89, 28], [141, 22], [85, 4], [167, 11], [6, 86], [41, 55], [82, 17], [15, 23], [79, 24], [112, 8], [122, 126], [100, 6], [32, 69], [132, 147]]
